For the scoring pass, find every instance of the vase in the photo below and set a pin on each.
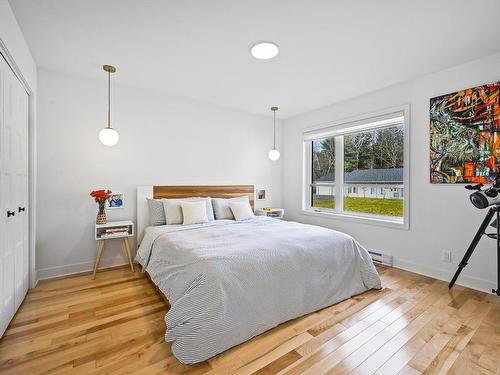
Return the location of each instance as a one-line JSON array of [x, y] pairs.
[[101, 215]]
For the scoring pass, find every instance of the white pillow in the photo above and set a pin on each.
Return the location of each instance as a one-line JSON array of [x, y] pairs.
[[221, 207], [194, 212], [241, 210], [173, 210]]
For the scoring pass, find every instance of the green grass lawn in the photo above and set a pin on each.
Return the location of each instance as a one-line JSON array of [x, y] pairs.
[[377, 206]]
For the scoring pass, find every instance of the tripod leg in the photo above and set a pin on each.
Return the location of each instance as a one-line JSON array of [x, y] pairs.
[[473, 245]]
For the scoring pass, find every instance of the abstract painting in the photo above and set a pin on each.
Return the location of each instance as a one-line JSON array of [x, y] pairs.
[[465, 135]]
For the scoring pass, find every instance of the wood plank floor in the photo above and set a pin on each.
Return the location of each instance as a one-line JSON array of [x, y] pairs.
[[114, 325]]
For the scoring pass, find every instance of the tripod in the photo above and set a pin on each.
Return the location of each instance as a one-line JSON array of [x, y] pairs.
[[480, 232]]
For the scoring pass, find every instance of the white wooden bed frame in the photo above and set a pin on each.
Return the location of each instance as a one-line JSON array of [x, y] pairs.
[[143, 193]]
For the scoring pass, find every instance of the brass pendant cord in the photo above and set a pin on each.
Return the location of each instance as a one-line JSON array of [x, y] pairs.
[[274, 130], [109, 100]]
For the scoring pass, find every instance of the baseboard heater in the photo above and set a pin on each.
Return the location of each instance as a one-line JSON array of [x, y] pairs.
[[381, 258]]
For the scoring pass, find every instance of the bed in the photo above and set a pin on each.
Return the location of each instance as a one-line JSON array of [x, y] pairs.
[[228, 281]]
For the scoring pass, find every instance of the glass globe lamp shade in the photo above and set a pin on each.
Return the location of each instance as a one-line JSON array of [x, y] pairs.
[[274, 154], [109, 137]]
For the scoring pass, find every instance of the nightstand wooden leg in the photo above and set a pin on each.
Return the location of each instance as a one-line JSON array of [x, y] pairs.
[[129, 253], [100, 248]]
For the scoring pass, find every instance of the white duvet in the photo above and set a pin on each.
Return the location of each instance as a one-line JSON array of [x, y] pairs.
[[228, 281]]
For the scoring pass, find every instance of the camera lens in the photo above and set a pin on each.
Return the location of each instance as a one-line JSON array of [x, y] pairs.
[[479, 200]]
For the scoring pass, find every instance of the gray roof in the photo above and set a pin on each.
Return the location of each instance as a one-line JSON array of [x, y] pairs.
[[377, 176]]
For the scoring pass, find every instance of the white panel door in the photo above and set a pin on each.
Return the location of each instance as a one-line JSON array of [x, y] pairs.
[[23, 202], [19, 159], [14, 254]]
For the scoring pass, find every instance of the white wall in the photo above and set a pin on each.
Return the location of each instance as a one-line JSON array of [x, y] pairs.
[[163, 140], [441, 216]]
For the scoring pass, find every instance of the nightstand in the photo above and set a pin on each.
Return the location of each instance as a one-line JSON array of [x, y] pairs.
[[276, 213], [113, 230]]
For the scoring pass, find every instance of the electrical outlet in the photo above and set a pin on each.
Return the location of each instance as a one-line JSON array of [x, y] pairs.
[[447, 256]]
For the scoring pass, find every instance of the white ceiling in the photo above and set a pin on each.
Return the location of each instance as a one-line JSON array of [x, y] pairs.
[[329, 50]]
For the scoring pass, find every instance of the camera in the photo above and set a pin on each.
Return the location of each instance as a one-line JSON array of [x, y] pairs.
[[488, 197], [482, 199]]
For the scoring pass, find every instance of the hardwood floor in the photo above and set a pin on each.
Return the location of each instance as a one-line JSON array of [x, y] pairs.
[[114, 325]]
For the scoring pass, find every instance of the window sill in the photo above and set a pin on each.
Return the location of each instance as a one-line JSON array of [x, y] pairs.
[[381, 221]]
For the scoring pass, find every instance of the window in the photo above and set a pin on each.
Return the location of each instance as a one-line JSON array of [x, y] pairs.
[[323, 179], [358, 169]]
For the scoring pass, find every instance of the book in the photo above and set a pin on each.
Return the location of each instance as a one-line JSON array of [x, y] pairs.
[[115, 230], [112, 235]]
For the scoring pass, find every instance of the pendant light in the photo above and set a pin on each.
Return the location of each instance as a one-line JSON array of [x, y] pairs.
[[273, 153], [109, 136]]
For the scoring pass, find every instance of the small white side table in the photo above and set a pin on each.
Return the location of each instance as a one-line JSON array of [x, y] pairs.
[[108, 231]]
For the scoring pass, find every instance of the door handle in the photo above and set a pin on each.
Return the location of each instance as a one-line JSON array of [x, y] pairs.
[[22, 209], [11, 213]]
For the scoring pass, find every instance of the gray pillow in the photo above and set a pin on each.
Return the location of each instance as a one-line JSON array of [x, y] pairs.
[[156, 212], [173, 210], [222, 209]]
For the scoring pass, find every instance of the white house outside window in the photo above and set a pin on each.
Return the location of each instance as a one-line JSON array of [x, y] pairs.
[[358, 169]]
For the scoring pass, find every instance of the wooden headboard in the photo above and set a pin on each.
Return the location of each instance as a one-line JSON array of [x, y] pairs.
[[173, 192]]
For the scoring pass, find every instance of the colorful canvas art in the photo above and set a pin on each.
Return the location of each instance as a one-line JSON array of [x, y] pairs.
[[465, 135]]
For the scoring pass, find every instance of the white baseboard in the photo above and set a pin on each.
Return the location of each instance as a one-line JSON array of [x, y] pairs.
[[70, 269], [440, 274]]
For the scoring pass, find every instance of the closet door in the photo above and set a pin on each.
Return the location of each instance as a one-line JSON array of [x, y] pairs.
[[19, 119], [14, 254]]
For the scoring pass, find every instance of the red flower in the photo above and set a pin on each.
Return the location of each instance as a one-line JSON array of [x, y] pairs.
[[100, 195]]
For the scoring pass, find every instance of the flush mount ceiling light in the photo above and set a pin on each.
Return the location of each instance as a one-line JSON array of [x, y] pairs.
[[264, 50], [109, 136], [273, 153]]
